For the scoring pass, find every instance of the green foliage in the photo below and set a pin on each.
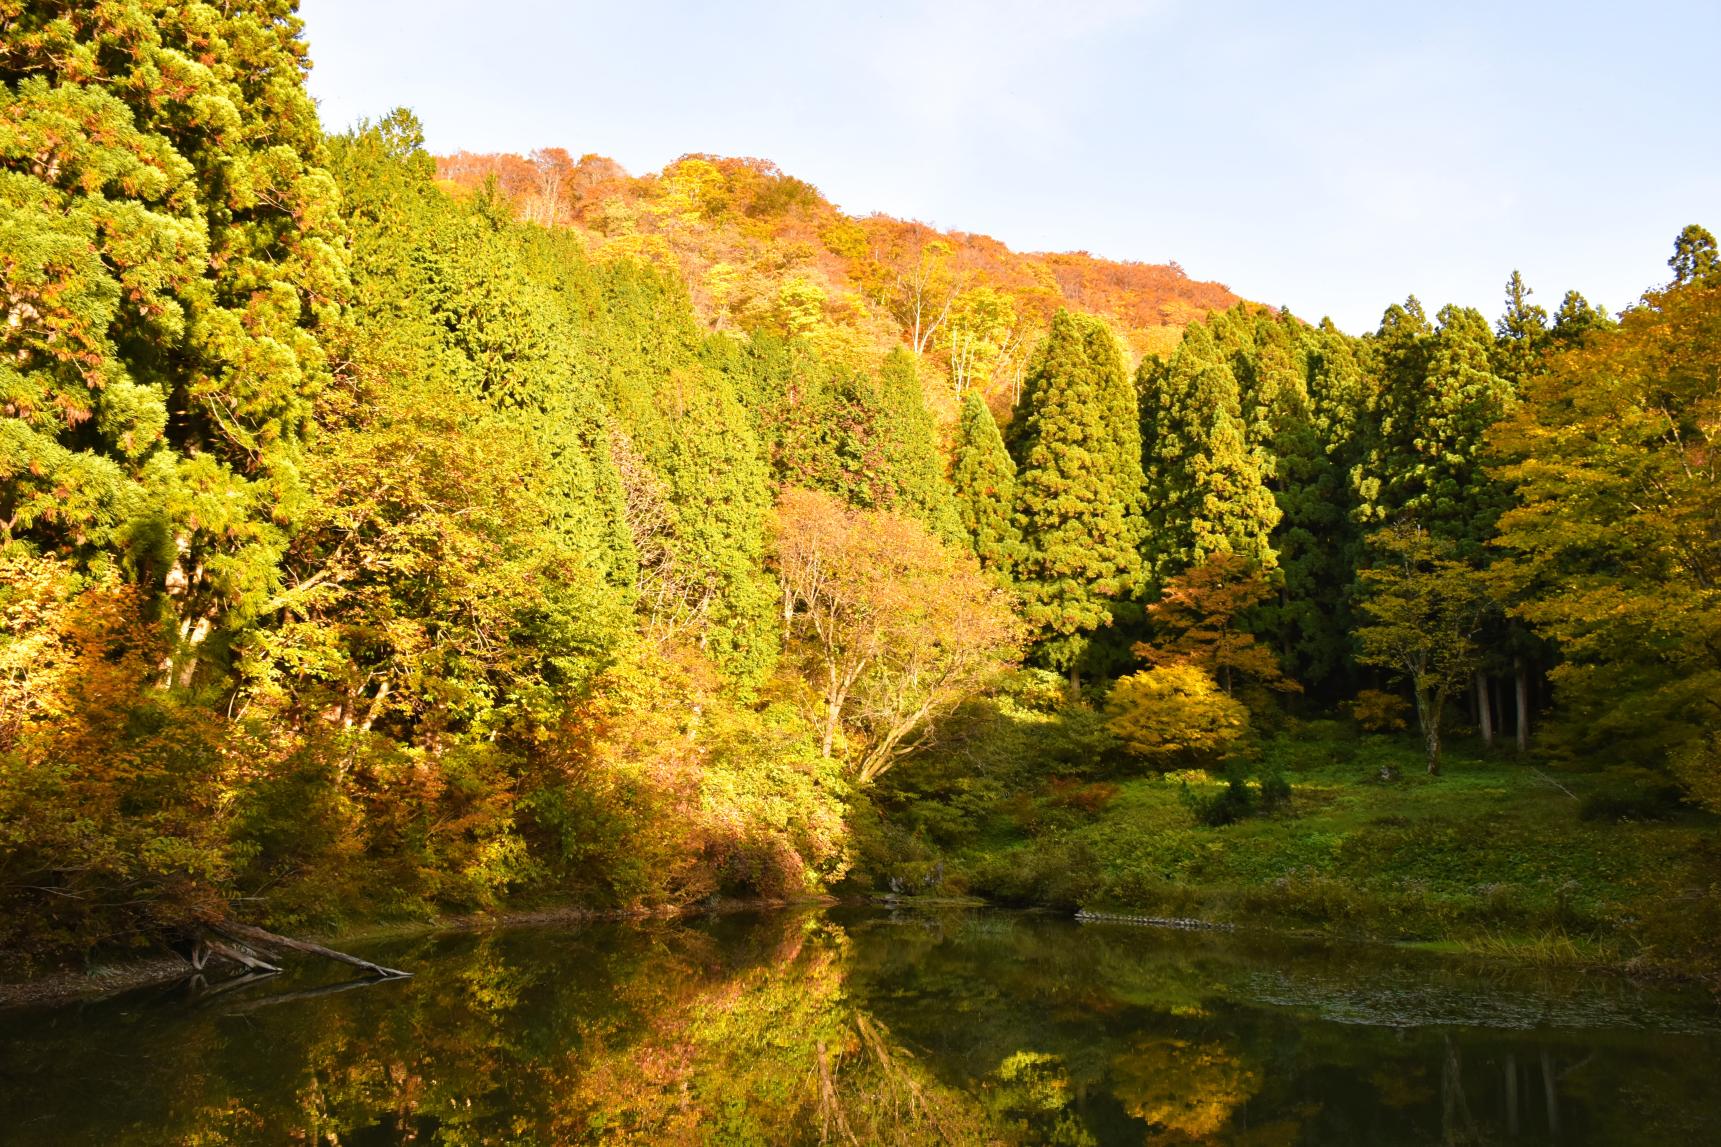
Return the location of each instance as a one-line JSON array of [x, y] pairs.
[[911, 449], [1079, 492], [1613, 542], [1695, 258], [180, 251], [367, 550], [984, 481], [1438, 396], [1425, 611], [1206, 478]]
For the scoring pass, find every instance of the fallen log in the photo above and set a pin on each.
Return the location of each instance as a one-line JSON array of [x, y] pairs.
[[265, 940], [210, 946]]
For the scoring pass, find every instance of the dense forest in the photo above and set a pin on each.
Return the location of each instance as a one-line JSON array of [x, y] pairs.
[[382, 545]]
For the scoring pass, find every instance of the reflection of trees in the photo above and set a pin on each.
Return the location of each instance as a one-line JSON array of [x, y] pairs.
[[795, 1028], [1182, 1086], [776, 1053]]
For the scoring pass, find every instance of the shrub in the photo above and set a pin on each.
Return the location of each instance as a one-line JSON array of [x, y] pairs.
[[1175, 713], [1380, 712], [1228, 806]]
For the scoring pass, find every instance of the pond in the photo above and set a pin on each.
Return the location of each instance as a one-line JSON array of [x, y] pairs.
[[870, 1026]]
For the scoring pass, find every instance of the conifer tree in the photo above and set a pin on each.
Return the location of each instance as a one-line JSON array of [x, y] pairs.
[[693, 475], [910, 449], [1695, 257], [984, 478], [1439, 394], [1318, 542], [1522, 333], [1576, 317], [1207, 489], [1078, 490], [174, 250]]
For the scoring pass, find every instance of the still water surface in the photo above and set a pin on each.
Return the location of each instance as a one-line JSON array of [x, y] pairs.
[[864, 1026]]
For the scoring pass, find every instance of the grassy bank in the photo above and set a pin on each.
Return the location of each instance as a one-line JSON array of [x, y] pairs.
[[1496, 856]]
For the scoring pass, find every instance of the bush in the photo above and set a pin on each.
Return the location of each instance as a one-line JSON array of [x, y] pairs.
[[1275, 791], [1380, 712], [1174, 714], [1228, 806], [1061, 874]]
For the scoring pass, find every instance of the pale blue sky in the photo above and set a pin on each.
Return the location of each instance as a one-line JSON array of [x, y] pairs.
[[1333, 157]]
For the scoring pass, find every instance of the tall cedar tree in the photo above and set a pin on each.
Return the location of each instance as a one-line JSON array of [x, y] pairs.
[[911, 452], [984, 481], [1318, 438], [868, 438], [692, 470], [1439, 394], [1207, 487], [1079, 491], [173, 247]]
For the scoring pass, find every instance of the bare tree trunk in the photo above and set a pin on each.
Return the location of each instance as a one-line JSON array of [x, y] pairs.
[[1484, 710], [833, 713], [1075, 682], [250, 935], [1523, 676], [1428, 712]]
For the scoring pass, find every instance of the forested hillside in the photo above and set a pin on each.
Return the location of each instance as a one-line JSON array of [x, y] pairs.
[[760, 249], [380, 545]]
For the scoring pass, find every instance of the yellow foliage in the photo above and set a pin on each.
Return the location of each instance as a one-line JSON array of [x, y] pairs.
[[1380, 712], [1183, 1086], [1698, 767], [1175, 712], [800, 306]]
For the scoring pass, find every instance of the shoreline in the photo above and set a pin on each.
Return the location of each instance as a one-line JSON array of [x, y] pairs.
[[58, 989]]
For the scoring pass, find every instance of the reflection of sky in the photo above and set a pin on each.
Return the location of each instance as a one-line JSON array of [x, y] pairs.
[[1331, 156]]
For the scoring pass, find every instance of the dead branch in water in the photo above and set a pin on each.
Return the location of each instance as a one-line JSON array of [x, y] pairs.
[[264, 941]]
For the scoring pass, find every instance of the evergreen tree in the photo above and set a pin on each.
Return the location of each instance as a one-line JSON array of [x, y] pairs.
[[1078, 490], [1522, 333], [910, 448], [1207, 489], [1576, 317], [1438, 396], [1695, 257], [694, 478], [1318, 541], [174, 251], [984, 478]]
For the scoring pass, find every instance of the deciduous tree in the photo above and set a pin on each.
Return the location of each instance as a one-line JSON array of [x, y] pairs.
[[1425, 610], [897, 627]]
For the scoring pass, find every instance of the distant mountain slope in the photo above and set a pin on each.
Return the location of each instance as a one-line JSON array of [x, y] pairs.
[[762, 249]]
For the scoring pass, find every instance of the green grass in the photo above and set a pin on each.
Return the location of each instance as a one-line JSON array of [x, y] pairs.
[[1488, 858]]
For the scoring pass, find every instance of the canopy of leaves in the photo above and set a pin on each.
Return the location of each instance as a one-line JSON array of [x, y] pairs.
[[1175, 714]]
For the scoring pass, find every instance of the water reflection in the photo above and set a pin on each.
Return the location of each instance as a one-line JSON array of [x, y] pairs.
[[865, 1027]]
